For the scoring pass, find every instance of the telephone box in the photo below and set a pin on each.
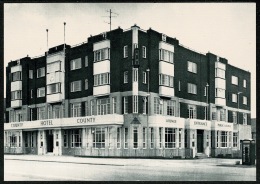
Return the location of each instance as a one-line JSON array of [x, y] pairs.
[[248, 152]]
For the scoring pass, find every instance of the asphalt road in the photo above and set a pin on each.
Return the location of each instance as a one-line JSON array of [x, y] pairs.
[[101, 169]]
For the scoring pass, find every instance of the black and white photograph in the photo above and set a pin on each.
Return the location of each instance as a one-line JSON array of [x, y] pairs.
[[129, 91]]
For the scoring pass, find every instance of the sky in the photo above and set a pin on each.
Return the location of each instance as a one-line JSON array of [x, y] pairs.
[[225, 29]]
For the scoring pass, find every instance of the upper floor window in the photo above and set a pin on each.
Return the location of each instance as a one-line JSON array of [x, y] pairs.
[[75, 86], [244, 100], [222, 115], [41, 92], [101, 79], [86, 61], [75, 64], [53, 67], [135, 104], [75, 109], [192, 111], [244, 119], [158, 106], [192, 88], [103, 106], [86, 84], [234, 97], [16, 95], [144, 77], [220, 73], [101, 54], [234, 80], [135, 75], [166, 55], [30, 74], [126, 77], [244, 83], [40, 113], [125, 51], [41, 72], [220, 93], [234, 117], [53, 88], [166, 80], [144, 51], [16, 76], [125, 98], [114, 102], [170, 107], [192, 67]]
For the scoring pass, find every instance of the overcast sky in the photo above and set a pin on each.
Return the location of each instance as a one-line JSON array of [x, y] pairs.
[[225, 29]]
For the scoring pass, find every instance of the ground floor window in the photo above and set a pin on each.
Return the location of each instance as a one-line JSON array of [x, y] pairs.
[[160, 137], [109, 137], [126, 138], [65, 138], [180, 138], [99, 138], [170, 137], [223, 139], [76, 138], [135, 133], [152, 137], [235, 136], [13, 141], [144, 138], [118, 137]]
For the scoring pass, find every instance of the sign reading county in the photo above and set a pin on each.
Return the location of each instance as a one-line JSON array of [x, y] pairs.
[[86, 120]]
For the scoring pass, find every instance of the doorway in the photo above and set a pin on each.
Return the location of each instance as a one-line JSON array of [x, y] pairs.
[[49, 136], [200, 141]]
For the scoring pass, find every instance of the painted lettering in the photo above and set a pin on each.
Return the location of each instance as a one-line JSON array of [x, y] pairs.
[[200, 123], [86, 120], [223, 125], [46, 122], [17, 125], [170, 121]]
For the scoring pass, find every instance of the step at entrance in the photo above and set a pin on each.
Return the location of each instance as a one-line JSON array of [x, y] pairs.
[[201, 155]]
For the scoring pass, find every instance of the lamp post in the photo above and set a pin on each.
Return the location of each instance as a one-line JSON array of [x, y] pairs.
[[207, 98], [238, 106], [148, 70]]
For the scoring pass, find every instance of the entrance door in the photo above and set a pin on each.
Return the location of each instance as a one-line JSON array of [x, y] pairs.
[[49, 141], [200, 141]]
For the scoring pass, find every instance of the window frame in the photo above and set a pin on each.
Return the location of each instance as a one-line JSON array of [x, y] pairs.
[[39, 91], [144, 51], [75, 64], [192, 67], [234, 80], [72, 86], [41, 72], [125, 51]]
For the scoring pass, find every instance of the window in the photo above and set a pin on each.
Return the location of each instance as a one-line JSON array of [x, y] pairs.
[[230, 139], [192, 111], [219, 93], [170, 107], [135, 135], [76, 138], [31, 93], [125, 51], [109, 137], [75, 109], [244, 100], [103, 106], [41, 72], [18, 116], [170, 137], [65, 138], [41, 92], [53, 88], [16, 76], [244, 83], [158, 106], [101, 79], [30, 74], [13, 140], [180, 138], [75, 86], [160, 137], [86, 109], [86, 84], [114, 105], [165, 55], [144, 77], [92, 105], [220, 73], [234, 98], [144, 51], [86, 61], [179, 85], [222, 115], [165, 80], [32, 139], [135, 74], [235, 138], [234, 117], [40, 113], [99, 138], [53, 67], [16, 95], [126, 77], [152, 137], [223, 138], [101, 54], [192, 67], [234, 80], [144, 104], [126, 138], [192, 88], [125, 104], [75, 64], [144, 138], [135, 104], [118, 138], [56, 112], [244, 119]]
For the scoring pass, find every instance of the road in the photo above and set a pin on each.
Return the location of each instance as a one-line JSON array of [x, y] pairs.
[[108, 169]]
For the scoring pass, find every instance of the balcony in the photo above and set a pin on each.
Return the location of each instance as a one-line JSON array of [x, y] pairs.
[[220, 101], [17, 68], [16, 86], [166, 46], [16, 103], [220, 83], [57, 97], [101, 90], [101, 67], [220, 65], [101, 45], [56, 77], [166, 68], [59, 56], [166, 91]]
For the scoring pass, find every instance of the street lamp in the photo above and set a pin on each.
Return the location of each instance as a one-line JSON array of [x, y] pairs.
[[207, 98], [238, 106], [148, 70]]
